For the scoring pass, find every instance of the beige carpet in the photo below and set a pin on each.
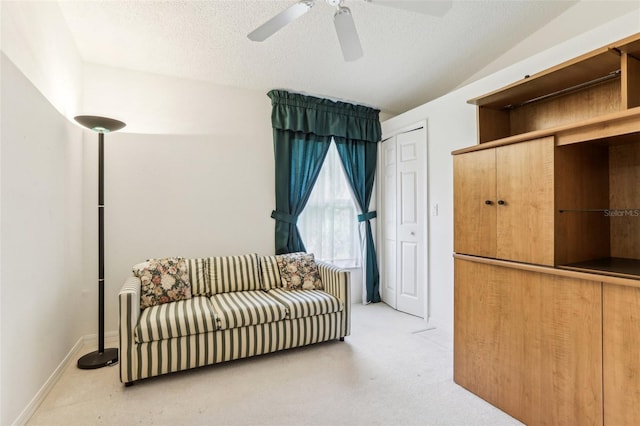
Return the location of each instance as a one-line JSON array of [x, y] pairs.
[[388, 372]]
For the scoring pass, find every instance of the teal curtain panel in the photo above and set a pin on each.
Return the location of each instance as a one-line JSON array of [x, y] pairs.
[[299, 157], [359, 162]]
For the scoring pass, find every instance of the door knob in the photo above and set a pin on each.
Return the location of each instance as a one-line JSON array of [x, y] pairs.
[[502, 202], [488, 202]]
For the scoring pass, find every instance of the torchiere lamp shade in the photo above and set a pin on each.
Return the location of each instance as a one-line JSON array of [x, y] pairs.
[[102, 357], [100, 124]]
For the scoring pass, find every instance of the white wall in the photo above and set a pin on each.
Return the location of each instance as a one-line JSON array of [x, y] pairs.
[[36, 39], [41, 239], [451, 124], [41, 193], [155, 104]]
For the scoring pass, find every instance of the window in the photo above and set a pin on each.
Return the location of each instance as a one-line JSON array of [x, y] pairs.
[[328, 224]]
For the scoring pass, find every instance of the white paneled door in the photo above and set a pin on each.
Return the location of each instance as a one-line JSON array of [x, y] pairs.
[[404, 224]]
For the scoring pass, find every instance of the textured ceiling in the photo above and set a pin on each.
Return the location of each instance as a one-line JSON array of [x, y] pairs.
[[409, 57]]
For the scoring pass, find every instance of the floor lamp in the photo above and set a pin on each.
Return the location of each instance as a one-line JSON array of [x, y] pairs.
[[102, 357]]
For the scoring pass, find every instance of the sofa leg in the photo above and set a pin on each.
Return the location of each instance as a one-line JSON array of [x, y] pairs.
[[342, 339], [128, 384]]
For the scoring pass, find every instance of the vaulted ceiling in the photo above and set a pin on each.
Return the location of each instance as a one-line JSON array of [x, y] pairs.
[[410, 57]]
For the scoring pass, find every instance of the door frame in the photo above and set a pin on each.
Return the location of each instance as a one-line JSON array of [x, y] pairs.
[[380, 244]]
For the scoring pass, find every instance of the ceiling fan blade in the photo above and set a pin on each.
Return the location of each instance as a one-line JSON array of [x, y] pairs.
[[432, 7], [347, 34], [283, 18]]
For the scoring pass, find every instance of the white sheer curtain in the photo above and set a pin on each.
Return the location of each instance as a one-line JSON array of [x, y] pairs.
[[328, 224]]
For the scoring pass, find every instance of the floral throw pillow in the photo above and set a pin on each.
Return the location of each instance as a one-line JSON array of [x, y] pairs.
[[163, 281], [298, 271]]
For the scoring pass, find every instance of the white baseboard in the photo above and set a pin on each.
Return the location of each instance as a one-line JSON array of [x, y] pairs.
[[33, 405], [30, 409]]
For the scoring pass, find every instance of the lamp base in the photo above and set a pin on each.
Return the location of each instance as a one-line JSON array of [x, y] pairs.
[[98, 359]]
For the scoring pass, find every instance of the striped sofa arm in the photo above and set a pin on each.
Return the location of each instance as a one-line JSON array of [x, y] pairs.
[[337, 282], [129, 301]]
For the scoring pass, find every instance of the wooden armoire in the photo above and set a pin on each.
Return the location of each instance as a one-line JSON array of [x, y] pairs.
[[547, 244]]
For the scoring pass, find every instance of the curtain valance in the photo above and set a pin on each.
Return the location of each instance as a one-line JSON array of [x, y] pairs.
[[324, 117]]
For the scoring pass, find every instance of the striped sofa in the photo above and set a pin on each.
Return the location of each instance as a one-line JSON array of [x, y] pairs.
[[238, 309]]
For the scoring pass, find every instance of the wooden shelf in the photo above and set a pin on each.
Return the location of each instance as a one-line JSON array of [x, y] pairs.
[[628, 268], [561, 271], [603, 127]]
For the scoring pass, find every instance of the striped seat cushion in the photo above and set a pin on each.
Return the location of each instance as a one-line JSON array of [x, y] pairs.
[[234, 273], [176, 319], [242, 308], [199, 276], [270, 273], [306, 303]]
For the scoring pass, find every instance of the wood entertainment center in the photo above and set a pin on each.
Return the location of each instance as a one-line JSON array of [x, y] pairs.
[[547, 244]]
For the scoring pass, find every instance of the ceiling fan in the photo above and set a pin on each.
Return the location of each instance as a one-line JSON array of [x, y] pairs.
[[343, 21]]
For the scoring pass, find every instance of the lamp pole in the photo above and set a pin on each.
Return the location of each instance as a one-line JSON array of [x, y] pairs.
[[101, 244]]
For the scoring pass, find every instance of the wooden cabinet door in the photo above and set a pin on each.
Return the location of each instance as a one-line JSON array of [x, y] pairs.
[[621, 333], [525, 198], [474, 187], [529, 343], [479, 305]]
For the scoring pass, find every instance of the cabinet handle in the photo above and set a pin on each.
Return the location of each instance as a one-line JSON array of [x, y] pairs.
[[502, 202], [488, 202]]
